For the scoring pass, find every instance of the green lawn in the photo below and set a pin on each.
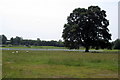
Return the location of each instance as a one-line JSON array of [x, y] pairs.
[[59, 64]]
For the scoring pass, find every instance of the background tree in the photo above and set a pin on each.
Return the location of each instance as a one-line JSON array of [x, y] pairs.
[[12, 40], [116, 44], [16, 41], [38, 41], [86, 27], [3, 38], [60, 43], [28, 42]]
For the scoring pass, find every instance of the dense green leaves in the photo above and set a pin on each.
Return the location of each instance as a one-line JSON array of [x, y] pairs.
[[16, 41], [28, 42], [3, 39], [116, 44], [86, 27]]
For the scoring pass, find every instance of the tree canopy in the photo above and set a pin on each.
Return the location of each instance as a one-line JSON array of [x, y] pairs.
[[87, 27], [28, 42], [3, 39], [116, 44]]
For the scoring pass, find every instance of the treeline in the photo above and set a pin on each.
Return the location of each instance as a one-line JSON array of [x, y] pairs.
[[26, 42]]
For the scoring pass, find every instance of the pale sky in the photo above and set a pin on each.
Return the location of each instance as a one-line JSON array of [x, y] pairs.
[[44, 19]]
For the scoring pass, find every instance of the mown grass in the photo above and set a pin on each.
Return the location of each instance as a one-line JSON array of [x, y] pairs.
[[59, 64]]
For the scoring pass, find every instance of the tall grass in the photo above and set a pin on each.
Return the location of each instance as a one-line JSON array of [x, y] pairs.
[[70, 59], [67, 58]]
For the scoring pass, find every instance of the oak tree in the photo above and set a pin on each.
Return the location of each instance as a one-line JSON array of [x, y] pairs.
[[87, 27]]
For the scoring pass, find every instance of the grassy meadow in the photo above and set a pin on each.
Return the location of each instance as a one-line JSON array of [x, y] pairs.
[[59, 64]]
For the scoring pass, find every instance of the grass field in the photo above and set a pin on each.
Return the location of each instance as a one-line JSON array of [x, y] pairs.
[[59, 64], [37, 47], [54, 47]]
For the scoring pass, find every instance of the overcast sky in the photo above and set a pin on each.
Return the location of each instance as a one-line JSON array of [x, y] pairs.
[[44, 19]]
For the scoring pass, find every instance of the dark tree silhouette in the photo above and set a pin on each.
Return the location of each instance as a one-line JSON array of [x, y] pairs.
[[116, 44], [12, 40], [16, 41], [3, 39], [86, 27]]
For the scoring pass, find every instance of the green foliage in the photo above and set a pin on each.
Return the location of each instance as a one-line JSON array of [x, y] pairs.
[[28, 42], [87, 27], [16, 41], [3, 39], [116, 44]]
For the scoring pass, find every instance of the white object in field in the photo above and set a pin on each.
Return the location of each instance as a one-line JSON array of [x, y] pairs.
[[16, 51], [13, 52], [27, 51]]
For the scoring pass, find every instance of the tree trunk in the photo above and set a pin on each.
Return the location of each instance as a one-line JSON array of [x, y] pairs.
[[86, 49]]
